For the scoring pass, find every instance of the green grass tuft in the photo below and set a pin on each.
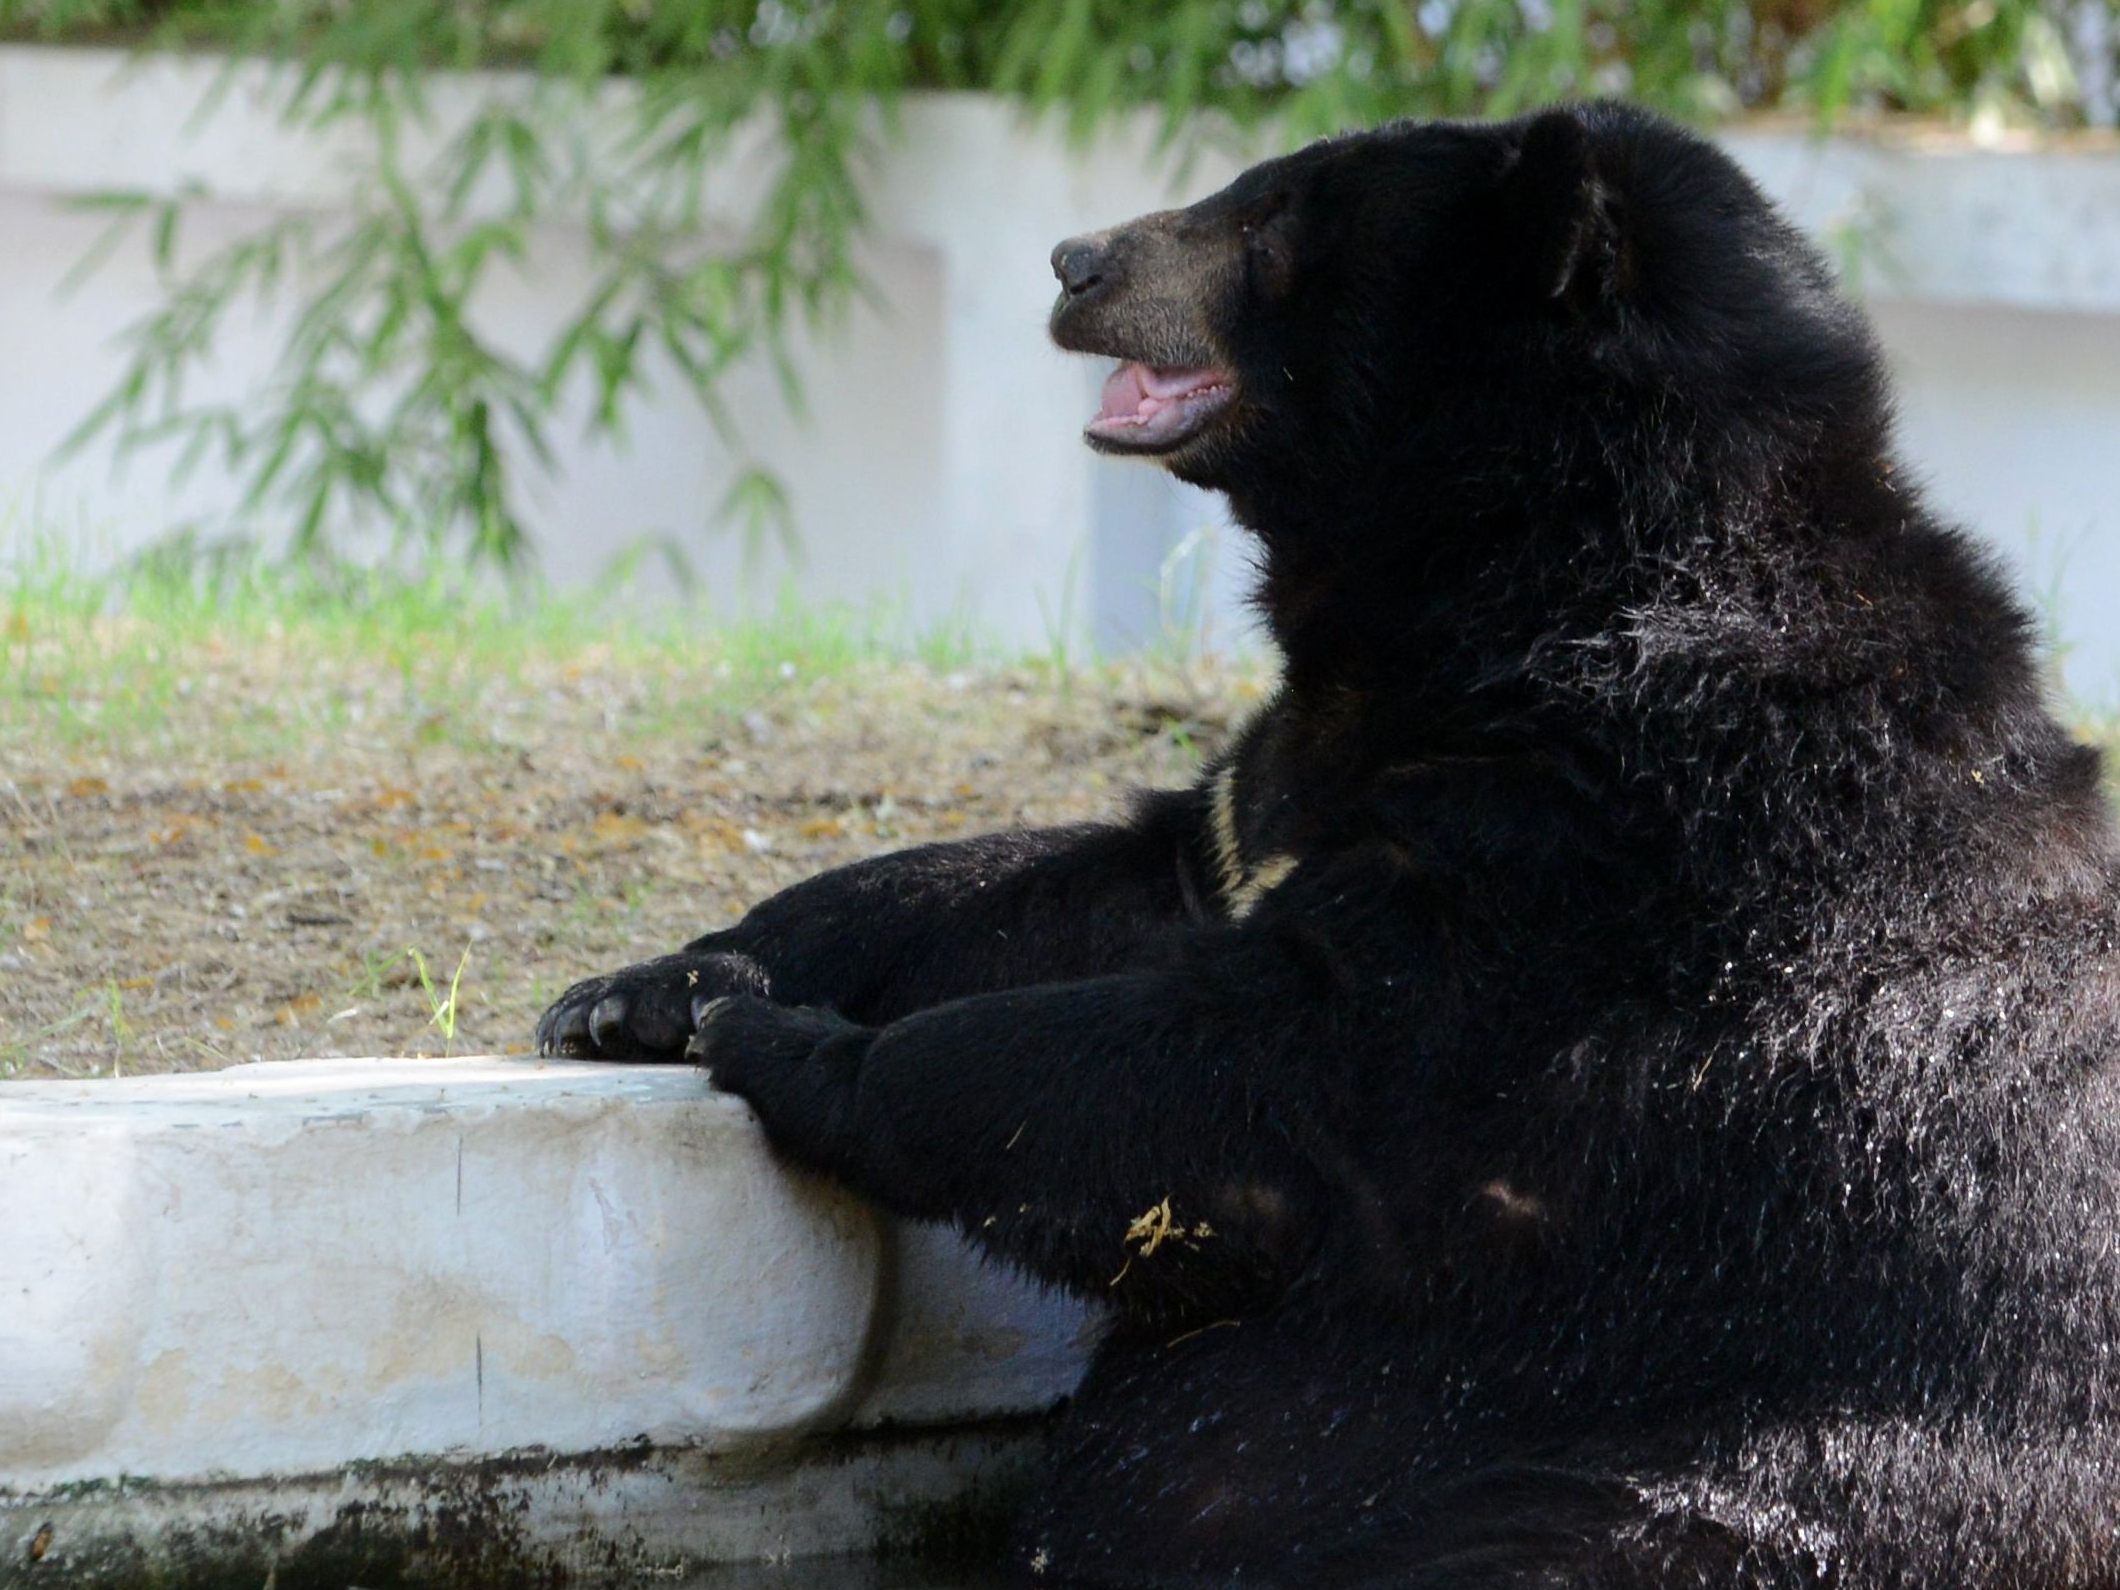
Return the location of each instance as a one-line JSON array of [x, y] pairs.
[[97, 660]]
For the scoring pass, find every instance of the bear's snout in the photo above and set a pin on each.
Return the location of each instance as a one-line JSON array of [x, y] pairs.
[[1082, 263]]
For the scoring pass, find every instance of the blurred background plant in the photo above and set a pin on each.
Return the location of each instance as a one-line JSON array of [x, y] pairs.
[[389, 407]]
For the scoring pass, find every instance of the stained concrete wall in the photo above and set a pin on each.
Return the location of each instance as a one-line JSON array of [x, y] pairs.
[[582, 1305]]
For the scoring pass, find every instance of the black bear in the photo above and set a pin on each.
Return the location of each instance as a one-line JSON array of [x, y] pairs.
[[1611, 1080]]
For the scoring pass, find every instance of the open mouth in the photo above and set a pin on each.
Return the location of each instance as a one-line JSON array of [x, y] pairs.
[[1151, 408]]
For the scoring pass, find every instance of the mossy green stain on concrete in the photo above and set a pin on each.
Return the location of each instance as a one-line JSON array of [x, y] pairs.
[[938, 1497]]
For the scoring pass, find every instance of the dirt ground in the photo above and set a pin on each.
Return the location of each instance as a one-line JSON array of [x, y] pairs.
[[292, 831], [256, 868]]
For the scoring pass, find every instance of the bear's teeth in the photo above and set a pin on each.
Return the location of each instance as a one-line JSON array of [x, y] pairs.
[[1136, 393], [1177, 381]]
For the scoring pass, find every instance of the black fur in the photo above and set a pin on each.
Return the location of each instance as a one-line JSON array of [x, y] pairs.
[[1636, 1106]]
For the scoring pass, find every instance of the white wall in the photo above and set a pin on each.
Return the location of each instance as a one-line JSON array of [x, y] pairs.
[[937, 464], [2011, 417], [852, 458], [939, 467]]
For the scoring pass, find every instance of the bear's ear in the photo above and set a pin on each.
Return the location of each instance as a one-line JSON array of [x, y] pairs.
[[1558, 233]]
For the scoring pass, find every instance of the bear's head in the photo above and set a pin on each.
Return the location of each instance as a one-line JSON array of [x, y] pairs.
[[1414, 304]]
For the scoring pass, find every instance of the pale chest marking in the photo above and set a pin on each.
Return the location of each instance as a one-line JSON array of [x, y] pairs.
[[1241, 886]]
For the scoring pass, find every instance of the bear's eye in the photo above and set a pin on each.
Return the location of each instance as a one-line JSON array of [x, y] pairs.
[[1266, 252], [1265, 219]]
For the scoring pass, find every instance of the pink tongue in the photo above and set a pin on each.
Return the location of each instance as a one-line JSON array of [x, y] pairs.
[[1138, 391]]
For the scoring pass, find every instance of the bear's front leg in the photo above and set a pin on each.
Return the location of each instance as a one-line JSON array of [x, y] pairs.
[[895, 933], [796, 1066], [1168, 1139]]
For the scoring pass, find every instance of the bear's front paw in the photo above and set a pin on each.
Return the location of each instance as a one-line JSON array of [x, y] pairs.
[[796, 1067], [646, 1012]]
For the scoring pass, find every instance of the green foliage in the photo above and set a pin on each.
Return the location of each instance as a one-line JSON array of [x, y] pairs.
[[390, 406]]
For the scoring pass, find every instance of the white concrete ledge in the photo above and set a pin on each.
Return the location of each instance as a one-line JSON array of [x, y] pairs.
[[242, 1284]]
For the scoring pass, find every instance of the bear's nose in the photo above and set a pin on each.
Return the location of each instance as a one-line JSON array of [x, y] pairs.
[[1079, 262]]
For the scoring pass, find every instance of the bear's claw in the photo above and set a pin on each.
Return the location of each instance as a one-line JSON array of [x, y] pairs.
[[645, 1012]]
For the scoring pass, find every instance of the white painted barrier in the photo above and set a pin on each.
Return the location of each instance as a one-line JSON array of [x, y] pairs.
[[585, 1293], [939, 467]]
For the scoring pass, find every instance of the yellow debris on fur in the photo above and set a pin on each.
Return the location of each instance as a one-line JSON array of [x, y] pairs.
[[1150, 1229]]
